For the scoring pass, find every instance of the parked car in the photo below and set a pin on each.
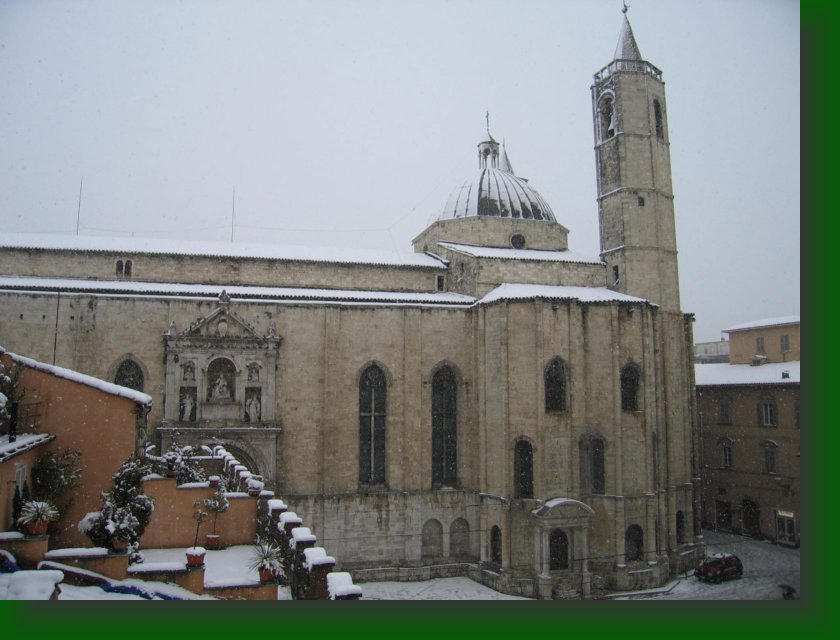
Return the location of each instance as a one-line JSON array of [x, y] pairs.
[[720, 566]]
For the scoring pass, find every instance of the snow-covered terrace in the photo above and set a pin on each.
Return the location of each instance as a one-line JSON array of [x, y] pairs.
[[745, 374], [23, 442], [254, 250]]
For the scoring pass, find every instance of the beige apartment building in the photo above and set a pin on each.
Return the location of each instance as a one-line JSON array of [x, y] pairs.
[[749, 416], [491, 404]]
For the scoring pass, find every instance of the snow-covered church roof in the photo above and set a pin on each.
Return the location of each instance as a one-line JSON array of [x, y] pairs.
[[766, 322], [253, 250], [745, 374]]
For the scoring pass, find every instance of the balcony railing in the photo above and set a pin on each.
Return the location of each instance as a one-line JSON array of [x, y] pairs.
[[631, 66]]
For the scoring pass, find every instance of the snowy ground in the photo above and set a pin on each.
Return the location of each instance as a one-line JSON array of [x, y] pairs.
[[765, 567]]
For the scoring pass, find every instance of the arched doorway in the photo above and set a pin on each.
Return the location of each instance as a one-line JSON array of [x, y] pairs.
[[633, 543], [432, 539], [496, 545], [459, 539]]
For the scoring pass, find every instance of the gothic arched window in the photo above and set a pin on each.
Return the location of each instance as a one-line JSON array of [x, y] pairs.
[[631, 377], [444, 427], [119, 267], [523, 470], [372, 408], [129, 374], [555, 385], [592, 468], [657, 117]]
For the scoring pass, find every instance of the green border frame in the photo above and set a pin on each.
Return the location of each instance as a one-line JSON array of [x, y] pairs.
[[808, 617]]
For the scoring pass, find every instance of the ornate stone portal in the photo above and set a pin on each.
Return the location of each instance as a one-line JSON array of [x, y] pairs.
[[220, 385]]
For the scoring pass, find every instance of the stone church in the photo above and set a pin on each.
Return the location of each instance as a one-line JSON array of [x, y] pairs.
[[491, 404]]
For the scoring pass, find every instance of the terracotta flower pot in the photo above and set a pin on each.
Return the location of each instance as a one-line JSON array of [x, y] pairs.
[[213, 541], [38, 528], [195, 559], [118, 545], [267, 575]]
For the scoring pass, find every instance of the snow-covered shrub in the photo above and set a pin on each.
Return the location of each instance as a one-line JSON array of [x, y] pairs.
[[178, 461], [126, 510], [10, 389], [54, 475]]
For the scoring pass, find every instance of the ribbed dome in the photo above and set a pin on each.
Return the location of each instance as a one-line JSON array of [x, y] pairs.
[[496, 192]]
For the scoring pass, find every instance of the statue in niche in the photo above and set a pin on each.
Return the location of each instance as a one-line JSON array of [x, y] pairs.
[[220, 389], [252, 406], [189, 371], [187, 408], [253, 372]]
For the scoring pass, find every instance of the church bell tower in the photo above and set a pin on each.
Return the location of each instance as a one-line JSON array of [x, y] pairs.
[[635, 198]]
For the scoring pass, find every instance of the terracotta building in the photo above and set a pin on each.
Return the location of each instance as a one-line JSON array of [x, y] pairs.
[[491, 403], [749, 419]]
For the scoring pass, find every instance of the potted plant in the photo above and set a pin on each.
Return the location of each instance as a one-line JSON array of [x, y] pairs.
[[255, 485], [216, 504], [267, 560], [195, 554], [36, 516]]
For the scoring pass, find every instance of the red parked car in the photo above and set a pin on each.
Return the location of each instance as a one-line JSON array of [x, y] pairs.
[[720, 566]]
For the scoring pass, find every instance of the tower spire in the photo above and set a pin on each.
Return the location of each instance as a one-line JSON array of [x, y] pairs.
[[627, 49]]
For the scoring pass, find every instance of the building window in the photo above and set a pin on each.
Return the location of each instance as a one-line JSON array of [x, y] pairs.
[[523, 470], [796, 413], [615, 276], [517, 241], [641, 201], [633, 543], [128, 268], [785, 527], [440, 283], [372, 405], [726, 453], [496, 545], [767, 416], [657, 117], [444, 427], [555, 385], [119, 267], [770, 449], [724, 410], [630, 378], [558, 550], [785, 343], [129, 374], [759, 345], [592, 464]]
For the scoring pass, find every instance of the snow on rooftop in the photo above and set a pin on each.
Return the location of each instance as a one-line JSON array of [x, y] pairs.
[[510, 291], [738, 374], [118, 287], [252, 250], [766, 322], [505, 253], [23, 442], [81, 378]]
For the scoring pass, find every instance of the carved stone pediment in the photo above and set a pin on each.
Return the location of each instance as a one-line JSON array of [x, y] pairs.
[[220, 370]]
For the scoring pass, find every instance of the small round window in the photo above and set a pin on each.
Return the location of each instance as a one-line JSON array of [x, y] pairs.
[[517, 241]]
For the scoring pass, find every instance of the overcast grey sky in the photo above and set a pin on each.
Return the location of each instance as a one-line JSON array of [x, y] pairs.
[[349, 122]]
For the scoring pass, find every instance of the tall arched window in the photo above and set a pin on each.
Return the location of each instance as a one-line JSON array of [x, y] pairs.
[[657, 116], [128, 267], [444, 428], [631, 377], [555, 385], [496, 545], [372, 406], [726, 452], [119, 267], [523, 470], [558, 550], [724, 410], [129, 374], [633, 543]]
